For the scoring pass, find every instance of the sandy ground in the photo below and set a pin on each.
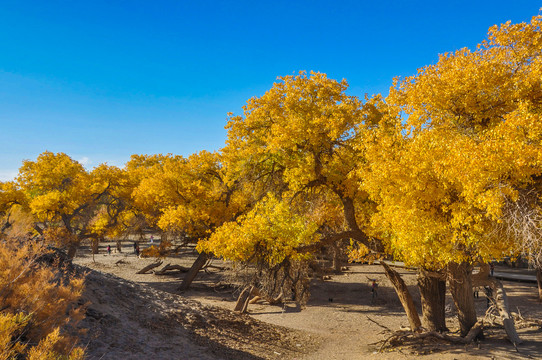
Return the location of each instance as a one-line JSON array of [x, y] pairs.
[[144, 316]]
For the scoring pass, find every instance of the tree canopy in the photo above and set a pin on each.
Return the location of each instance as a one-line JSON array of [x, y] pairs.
[[443, 173]]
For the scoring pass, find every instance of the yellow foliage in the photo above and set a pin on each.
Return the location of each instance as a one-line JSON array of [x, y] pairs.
[[357, 252], [58, 236], [11, 326], [471, 139], [35, 306], [18, 223], [303, 125], [298, 142], [65, 198], [160, 251], [10, 194], [46, 349], [269, 233], [187, 195]]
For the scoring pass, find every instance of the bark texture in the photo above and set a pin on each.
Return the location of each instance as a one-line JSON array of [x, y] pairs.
[[337, 263], [459, 277], [243, 300], [433, 296], [500, 301], [193, 272], [404, 296]]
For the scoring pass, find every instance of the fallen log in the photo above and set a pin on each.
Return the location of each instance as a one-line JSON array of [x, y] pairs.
[[500, 300], [255, 299], [149, 267], [169, 267]]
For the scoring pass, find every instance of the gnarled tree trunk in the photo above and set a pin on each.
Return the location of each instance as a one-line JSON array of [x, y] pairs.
[[461, 288], [243, 300], [404, 296], [433, 296], [193, 272]]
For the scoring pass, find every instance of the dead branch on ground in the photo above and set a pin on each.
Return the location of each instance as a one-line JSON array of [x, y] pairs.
[[149, 267], [169, 268]]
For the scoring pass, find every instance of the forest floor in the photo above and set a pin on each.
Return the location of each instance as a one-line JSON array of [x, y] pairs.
[[143, 316]]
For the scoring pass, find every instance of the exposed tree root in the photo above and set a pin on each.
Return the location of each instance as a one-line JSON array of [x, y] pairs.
[[425, 342]]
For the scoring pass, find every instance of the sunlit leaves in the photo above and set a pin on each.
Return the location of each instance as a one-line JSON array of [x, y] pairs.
[[471, 141], [270, 232]]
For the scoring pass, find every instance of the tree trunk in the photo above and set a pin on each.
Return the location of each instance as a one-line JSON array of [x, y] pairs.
[[193, 272], [243, 300], [95, 245], [337, 263], [404, 296], [461, 288], [433, 295], [539, 282], [119, 246], [72, 249]]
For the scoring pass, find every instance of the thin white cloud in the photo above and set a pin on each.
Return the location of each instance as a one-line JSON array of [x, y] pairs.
[[85, 161], [8, 175]]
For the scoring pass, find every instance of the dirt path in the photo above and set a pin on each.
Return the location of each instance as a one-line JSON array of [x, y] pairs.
[[340, 320]]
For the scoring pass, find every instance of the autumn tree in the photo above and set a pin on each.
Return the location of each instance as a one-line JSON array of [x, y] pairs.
[[297, 144], [470, 145], [12, 204], [191, 197], [147, 196], [115, 214], [65, 198]]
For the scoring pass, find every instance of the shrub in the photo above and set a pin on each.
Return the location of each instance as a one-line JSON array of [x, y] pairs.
[[37, 305]]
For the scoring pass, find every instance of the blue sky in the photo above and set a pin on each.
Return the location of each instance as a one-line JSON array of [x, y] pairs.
[[101, 80]]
